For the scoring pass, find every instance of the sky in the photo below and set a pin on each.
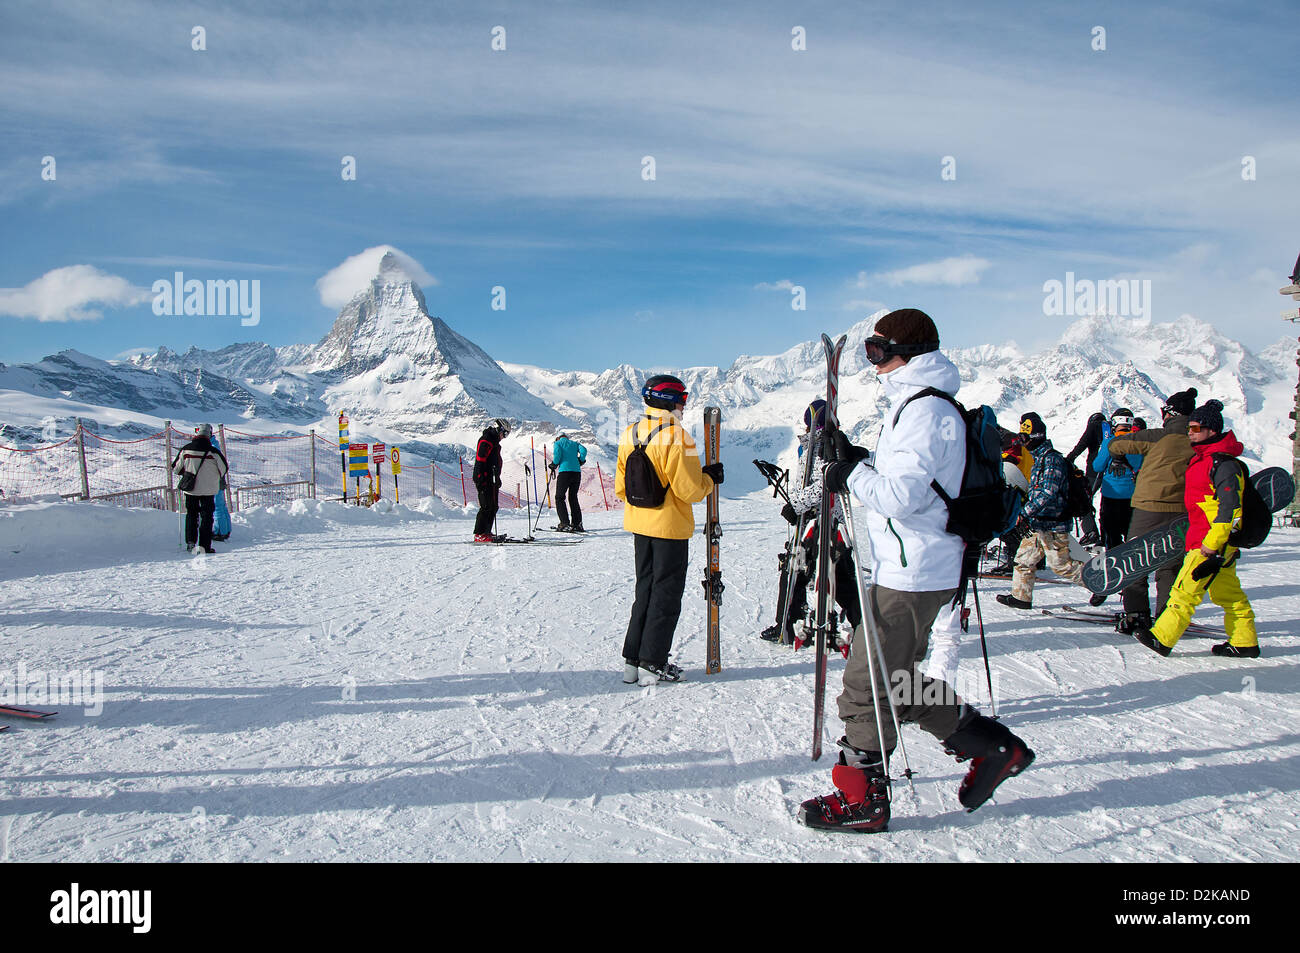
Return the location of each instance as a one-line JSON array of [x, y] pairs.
[[951, 157]]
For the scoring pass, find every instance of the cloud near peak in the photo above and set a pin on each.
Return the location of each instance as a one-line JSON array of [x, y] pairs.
[[341, 284], [963, 270]]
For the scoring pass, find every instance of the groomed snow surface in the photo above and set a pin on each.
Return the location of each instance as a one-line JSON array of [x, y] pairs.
[[342, 684]]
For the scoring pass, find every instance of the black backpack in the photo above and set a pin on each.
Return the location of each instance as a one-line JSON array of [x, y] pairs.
[[1256, 517], [986, 506], [641, 484]]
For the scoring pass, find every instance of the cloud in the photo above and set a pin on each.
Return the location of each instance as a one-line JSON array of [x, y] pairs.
[[341, 284], [72, 293], [861, 304], [785, 284], [948, 271]]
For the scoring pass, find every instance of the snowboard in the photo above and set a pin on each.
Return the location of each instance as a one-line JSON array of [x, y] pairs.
[[1116, 568]]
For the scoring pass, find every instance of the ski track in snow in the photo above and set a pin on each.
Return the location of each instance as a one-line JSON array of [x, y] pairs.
[[387, 691]]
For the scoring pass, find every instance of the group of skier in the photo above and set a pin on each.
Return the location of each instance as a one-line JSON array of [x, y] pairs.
[[567, 458], [918, 566]]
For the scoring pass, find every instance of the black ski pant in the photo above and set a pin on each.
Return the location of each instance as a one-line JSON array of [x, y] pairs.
[[1136, 596], [846, 586], [198, 520], [566, 497], [1115, 516], [487, 510], [660, 583]]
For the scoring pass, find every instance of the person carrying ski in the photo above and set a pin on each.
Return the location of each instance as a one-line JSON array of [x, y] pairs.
[[657, 449], [487, 478], [1214, 488], [1157, 501], [1046, 517], [202, 468], [916, 566], [1118, 479], [807, 503], [567, 458]]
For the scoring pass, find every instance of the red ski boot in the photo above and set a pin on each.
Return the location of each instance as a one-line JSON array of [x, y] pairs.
[[996, 754], [860, 802]]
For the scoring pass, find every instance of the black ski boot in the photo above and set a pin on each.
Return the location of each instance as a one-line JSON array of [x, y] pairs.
[[1229, 650], [1013, 602], [995, 754], [1096, 599], [860, 802], [1127, 623], [1147, 638], [773, 634]]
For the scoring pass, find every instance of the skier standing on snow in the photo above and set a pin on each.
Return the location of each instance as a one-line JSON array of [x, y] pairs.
[[1214, 487], [487, 477], [1118, 479], [1017, 465], [915, 569], [804, 502], [1046, 514], [1093, 434], [202, 468], [658, 460], [567, 458], [1157, 497]]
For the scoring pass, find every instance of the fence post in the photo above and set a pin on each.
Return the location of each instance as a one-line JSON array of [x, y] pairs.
[[313, 464], [516, 494], [433, 478], [171, 484], [81, 456], [225, 448], [601, 478], [463, 498]]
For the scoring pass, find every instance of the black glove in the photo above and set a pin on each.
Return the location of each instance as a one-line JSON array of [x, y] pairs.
[[836, 446], [1208, 568], [714, 472], [790, 515], [836, 478], [552, 467]]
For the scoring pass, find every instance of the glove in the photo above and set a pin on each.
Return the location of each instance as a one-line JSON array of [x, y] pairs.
[[552, 467], [714, 472], [790, 515], [1208, 568], [836, 446], [836, 477]]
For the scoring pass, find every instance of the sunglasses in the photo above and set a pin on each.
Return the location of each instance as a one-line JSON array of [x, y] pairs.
[[1197, 428]]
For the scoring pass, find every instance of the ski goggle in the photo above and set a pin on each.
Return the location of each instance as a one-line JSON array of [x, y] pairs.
[[881, 349], [1121, 423]]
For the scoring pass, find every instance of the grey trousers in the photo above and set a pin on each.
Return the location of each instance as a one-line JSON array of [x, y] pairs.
[[903, 621]]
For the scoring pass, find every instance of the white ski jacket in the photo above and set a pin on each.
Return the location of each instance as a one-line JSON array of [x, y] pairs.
[[910, 549]]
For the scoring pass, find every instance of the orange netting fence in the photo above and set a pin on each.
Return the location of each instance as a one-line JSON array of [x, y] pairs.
[[265, 470]]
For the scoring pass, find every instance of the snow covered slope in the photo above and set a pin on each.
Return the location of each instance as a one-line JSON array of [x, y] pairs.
[[344, 684]]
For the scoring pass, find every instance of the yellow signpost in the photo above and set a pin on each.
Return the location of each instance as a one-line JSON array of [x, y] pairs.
[[395, 462]]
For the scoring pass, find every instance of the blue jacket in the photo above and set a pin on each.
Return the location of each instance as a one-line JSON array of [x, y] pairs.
[[1048, 492], [568, 455], [1119, 474]]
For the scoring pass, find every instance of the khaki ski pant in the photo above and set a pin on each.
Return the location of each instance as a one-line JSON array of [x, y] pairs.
[[1040, 543], [903, 621]]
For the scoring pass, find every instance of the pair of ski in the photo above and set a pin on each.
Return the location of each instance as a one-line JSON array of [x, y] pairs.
[[30, 714], [1073, 614]]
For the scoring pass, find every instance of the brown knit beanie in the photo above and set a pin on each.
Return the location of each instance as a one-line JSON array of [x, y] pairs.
[[908, 326]]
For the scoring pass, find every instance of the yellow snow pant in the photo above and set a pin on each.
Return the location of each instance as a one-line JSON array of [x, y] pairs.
[[1224, 589]]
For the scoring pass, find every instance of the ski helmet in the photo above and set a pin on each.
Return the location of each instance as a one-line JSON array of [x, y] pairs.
[[203, 430], [814, 417], [501, 426], [1121, 420], [664, 392]]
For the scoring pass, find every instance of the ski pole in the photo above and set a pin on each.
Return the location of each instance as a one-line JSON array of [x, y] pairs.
[[872, 641], [539, 502], [528, 513], [984, 647]]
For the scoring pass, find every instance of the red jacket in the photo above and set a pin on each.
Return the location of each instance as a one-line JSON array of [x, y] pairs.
[[1212, 509]]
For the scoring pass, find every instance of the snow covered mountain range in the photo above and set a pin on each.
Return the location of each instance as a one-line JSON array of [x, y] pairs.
[[404, 376]]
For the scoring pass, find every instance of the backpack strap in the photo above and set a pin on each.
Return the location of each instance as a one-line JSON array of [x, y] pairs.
[[927, 392], [636, 441], [1220, 459]]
